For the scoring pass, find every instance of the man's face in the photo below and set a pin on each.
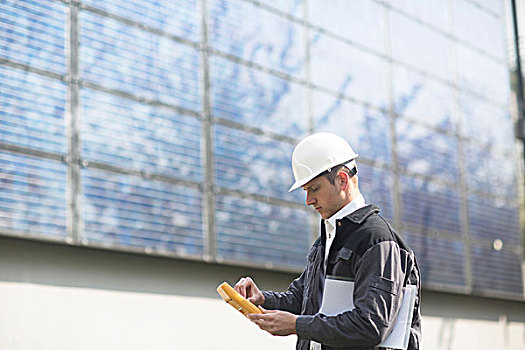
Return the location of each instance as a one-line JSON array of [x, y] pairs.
[[326, 198]]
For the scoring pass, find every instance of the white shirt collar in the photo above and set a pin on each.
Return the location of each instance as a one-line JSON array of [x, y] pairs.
[[348, 209]]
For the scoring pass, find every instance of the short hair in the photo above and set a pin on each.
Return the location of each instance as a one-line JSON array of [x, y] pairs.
[[351, 171]]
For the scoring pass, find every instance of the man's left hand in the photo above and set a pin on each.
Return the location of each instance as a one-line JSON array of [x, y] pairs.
[[275, 322]]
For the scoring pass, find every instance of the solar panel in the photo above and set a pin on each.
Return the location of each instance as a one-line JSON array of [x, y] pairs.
[[138, 136], [125, 58], [257, 99], [32, 33], [32, 111], [32, 196], [264, 233], [127, 211], [253, 164], [154, 102]]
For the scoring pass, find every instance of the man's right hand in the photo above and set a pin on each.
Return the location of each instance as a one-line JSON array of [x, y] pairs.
[[248, 289]]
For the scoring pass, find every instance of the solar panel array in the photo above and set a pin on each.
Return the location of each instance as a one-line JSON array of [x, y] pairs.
[[166, 127]]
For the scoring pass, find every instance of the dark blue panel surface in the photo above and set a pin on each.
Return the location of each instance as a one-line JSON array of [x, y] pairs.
[[422, 98], [441, 261], [347, 70], [366, 129], [430, 206], [376, 186], [32, 111], [247, 31], [419, 46], [259, 232], [33, 33], [32, 196], [423, 151], [177, 17], [490, 171], [122, 210], [257, 99], [497, 271], [253, 163], [141, 137], [492, 220], [129, 59], [361, 22]]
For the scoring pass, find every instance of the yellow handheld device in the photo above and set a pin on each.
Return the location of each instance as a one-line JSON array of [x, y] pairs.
[[236, 300]]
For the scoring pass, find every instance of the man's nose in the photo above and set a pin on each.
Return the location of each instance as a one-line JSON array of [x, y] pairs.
[[310, 199]]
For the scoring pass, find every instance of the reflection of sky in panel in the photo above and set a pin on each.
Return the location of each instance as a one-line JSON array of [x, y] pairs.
[[257, 99], [480, 74], [126, 58], [347, 70], [178, 17], [367, 130], [479, 28], [32, 32], [260, 232], [32, 195], [32, 110], [430, 205], [359, 21], [342, 68], [441, 261], [490, 171], [376, 186], [249, 32], [485, 122], [423, 98], [414, 44], [292, 7], [142, 137], [253, 164], [498, 270], [434, 12], [128, 211], [490, 219], [424, 151]]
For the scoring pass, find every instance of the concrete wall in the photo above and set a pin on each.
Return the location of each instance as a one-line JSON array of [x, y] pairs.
[[61, 297]]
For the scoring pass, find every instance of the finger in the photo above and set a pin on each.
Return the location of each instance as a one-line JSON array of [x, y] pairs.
[[252, 317], [240, 287], [264, 311]]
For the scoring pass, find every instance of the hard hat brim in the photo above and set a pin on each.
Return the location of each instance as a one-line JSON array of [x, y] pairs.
[[304, 181]]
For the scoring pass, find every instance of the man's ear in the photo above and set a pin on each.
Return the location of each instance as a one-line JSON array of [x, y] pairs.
[[344, 180]]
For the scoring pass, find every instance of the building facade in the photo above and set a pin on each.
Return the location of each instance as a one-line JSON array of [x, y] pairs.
[[162, 132]]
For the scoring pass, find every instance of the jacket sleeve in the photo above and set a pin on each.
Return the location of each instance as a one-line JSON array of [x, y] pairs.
[[290, 301], [377, 299]]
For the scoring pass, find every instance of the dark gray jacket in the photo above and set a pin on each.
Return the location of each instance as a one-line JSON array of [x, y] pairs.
[[367, 250]]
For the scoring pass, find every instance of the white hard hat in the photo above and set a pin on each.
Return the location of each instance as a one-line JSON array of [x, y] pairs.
[[318, 153]]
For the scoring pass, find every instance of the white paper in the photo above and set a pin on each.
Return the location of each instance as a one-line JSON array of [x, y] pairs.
[[338, 296]]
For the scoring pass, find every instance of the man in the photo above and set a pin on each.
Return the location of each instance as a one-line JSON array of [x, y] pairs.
[[356, 244]]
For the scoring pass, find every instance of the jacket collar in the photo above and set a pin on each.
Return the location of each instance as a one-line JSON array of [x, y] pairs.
[[362, 214], [356, 217]]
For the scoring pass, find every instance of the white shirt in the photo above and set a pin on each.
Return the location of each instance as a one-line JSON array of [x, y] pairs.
[[329, 223]]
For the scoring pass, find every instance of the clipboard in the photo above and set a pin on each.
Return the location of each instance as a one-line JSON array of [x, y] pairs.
[[338, 297], [240, 303]]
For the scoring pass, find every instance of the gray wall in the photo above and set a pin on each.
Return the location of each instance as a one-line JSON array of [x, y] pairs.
[[71, 266]]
